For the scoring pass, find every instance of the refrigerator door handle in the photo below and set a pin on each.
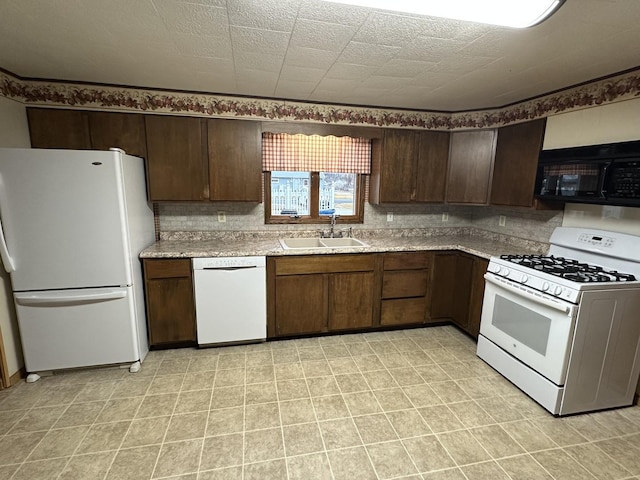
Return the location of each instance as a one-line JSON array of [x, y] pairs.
[[4, 251], [67, 299]]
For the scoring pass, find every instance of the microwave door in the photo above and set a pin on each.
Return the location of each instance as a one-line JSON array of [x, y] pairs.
[[604, 180]]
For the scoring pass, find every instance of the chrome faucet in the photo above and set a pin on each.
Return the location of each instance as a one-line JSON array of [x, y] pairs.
[[331, 233], [333, 224]]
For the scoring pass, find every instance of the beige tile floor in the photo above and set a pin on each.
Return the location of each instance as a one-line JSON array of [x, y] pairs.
[[411, 404]]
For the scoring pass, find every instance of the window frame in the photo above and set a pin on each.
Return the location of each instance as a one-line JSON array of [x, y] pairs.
[[314, 216]]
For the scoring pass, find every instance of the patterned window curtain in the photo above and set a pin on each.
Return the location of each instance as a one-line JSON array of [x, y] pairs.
[[315, 153]]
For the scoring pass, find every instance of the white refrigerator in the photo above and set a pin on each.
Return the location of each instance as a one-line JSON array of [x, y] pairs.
[[73, 224]]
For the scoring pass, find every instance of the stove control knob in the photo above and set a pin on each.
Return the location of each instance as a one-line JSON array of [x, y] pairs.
[[558, 290], [496, 269], [506, 272], [525, 278], [545, 286]]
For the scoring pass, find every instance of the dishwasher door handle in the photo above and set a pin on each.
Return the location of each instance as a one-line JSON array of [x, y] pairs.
[[230, 269]]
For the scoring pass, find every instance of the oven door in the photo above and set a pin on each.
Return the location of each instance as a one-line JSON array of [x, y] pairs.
[[535, 328]]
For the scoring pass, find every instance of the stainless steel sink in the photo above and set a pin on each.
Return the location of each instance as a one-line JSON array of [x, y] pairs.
[[291, 243]]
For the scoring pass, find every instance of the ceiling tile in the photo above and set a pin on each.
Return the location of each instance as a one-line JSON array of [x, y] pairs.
[[329, 12], [310, 57], [350, 71], [266, 14], [429, 49], [258, 61], [296, 90], [259, 40], [301, 74], [323, 36], [204, 46], [404, 68], [192, 18], [366, 54], [388, 29]]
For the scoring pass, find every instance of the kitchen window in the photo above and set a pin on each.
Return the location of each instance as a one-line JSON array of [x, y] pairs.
[[308, 178]]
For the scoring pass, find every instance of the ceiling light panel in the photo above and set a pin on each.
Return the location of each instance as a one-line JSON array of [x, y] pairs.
[[507, 13]]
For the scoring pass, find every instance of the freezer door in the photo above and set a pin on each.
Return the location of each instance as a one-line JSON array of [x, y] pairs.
[[77, 328], [63, 217]]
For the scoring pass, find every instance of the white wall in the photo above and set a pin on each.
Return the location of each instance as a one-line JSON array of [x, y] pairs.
[[14, 132], [615, 122]]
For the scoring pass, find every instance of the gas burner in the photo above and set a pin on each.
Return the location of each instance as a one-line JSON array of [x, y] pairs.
[[569, 268]]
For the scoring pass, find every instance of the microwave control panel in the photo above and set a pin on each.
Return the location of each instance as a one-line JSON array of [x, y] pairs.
[[625, 180]]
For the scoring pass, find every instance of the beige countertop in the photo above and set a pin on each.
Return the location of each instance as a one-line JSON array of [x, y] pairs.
[[484, 246]]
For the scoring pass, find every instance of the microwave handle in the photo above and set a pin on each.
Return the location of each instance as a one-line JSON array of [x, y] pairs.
[[603, 179]]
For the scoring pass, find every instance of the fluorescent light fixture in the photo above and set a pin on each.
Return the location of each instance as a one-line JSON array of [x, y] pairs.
[[507, 13]]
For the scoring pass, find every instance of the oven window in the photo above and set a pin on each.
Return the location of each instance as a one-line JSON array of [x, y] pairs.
[[522, 324]]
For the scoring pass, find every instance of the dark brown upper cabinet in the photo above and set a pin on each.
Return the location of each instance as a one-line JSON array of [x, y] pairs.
[[235, 160], [177, 164], [411, 167], [83, 130], [471, 157], [119, 130], [516, 162], [58, 128]]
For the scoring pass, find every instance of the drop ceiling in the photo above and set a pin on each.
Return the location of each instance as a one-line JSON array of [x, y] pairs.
[[310, 50]]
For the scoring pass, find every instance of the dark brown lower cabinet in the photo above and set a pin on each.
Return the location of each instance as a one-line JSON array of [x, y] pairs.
[[405, 283], [321, 293], [458, 289], [171, 317]]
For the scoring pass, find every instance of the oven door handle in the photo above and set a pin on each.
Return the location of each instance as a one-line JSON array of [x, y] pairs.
[[548, 303]]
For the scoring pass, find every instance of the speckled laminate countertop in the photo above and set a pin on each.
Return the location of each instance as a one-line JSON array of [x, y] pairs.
[[480, 245]]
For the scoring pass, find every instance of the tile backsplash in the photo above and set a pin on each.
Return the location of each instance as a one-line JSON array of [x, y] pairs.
[[518, 222]]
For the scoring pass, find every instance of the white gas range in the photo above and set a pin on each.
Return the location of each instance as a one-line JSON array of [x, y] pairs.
[[565, 327]]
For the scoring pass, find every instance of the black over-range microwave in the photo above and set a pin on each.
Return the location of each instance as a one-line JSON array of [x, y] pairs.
[[604, 174]]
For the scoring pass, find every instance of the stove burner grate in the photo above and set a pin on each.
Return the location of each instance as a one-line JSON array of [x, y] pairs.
[[569, 268]]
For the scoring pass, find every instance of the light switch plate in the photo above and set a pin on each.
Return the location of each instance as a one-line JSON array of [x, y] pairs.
[[222, 217], [445, 216], [389, 216], [502, 220]]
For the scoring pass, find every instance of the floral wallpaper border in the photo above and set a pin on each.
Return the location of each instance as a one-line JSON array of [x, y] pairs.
[[77, 95]]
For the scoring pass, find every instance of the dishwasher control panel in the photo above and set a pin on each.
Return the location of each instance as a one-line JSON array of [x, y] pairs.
[[227, 262]]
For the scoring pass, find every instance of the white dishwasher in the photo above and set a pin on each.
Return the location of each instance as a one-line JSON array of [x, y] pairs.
[[231, 299]]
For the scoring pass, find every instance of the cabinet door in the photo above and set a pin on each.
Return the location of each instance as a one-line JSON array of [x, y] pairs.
[[235, 160], [397, 166], [170, 306], [176, 158], [477, 295], [462, 290], [300, 304], [431, 169], [443, 285], [351, 300], [514, 172], [470, 166], [120, 130], [57, 128]]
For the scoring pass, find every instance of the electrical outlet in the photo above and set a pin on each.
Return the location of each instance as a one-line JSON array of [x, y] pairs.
[[389, 216], [222, 217], [445, 216], [502, 221]]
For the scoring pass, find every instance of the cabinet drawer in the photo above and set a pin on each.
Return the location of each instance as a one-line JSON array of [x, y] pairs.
[[406, 261], [400, 284], [403, 311], [167, 268], [324, 264]]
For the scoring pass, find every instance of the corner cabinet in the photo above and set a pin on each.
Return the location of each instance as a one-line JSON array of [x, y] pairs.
[[471, 156], [516, 162], [458, 289], [411, 167], [321, 293], [171, 316]]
